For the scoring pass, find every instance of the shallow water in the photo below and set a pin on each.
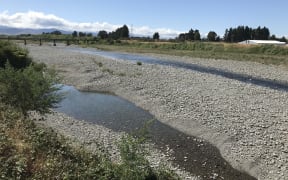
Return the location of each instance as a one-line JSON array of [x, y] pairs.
[[199, 158], [105, 109]]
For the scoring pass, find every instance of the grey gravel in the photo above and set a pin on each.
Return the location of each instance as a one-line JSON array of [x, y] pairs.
[[248, 123]]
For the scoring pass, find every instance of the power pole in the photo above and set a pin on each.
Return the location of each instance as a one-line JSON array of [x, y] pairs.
[[131, 30]]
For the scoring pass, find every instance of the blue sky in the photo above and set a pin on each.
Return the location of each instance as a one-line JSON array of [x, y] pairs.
[[147, 16]]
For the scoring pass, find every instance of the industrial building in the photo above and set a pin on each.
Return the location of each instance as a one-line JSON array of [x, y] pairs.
[[261, 42]]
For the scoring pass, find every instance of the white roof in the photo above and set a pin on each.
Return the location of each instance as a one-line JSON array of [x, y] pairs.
[[262, 42]]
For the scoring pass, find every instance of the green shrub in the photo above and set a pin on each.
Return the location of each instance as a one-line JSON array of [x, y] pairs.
[[134, 165], [33, 88], [28, 151], [16, 56]]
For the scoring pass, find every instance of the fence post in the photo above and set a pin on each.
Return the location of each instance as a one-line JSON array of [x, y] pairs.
[[40, 43], [25, 42], [54, 42]]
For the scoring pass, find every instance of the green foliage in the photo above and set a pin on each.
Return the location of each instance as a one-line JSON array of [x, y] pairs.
[[134, 165], [190, 36], [28, 151], [197, 36], [102, 34], [32, 88], [16, 56], [122, 32], [242, 33], [212, 36], [74, 34], [139, 63], [31, 152], [156, 36]]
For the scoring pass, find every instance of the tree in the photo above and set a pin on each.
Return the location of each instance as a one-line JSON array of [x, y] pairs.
[[181, 37], [74, 34], [56, 32], [242, 33], [102, 34], [156, 36], [190, 35], [283, 39], [273, 37], [89, 34], [122, 32], [82, 34], [187, 36], [197, 36], [212, 36]]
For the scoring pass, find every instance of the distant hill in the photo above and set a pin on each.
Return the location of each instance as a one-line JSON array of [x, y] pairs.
[[16, 31]]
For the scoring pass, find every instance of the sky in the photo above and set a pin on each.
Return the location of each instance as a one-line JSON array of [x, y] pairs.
[[145, 17]]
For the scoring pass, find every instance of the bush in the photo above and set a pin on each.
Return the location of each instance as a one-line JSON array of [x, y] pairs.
[[33, 88], [28, 151], [31, 152], [134, 164], [16, 56]]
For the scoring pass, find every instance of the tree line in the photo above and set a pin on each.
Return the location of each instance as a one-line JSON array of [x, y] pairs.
[[238, 34], [242, 33], [191, 35], [119, 33]]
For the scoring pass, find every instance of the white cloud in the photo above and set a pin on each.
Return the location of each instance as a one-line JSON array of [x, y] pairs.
[[37, 20]]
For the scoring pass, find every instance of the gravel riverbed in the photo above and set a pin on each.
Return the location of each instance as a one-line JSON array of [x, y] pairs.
[[246, 122]]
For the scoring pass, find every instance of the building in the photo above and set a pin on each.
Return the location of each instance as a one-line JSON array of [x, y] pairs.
[[272, 42]]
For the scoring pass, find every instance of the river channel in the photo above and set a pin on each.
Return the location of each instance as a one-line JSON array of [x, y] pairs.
[[192, 154], [268, 83]]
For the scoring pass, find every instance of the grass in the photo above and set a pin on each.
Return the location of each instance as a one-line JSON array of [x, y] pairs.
[[28, 151], [265, 54]]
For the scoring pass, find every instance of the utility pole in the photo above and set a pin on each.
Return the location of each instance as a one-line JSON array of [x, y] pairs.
[[131, 30]]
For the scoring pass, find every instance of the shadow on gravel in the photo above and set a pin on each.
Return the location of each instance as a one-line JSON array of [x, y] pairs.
[[272, 84], [196, 156]]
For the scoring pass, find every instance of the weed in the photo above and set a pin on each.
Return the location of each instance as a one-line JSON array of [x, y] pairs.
[[100, 64], [108, 70], [121, 74], [139, 63]]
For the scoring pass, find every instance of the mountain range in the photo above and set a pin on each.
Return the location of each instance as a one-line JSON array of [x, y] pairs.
[[5, 30]]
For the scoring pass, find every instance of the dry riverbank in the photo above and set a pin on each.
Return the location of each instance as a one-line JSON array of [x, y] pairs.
[[248, 123]]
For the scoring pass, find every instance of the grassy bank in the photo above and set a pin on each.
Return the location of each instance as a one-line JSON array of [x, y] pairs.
[[266, 54]]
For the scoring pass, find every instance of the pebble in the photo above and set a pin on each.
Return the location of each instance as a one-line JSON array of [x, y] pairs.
[[200, 104]]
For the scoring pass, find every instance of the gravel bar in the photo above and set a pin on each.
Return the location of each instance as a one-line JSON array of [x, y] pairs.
[[246, 122]]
